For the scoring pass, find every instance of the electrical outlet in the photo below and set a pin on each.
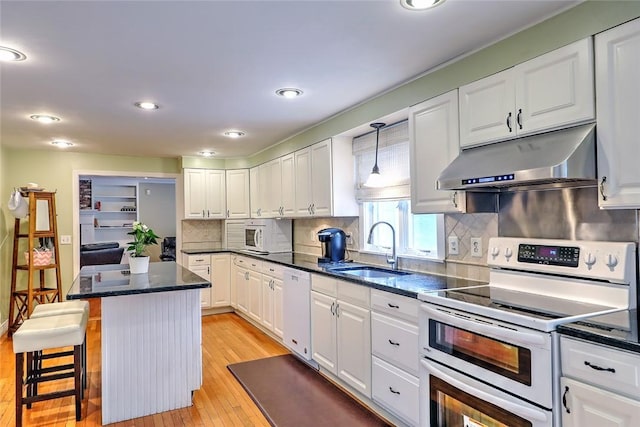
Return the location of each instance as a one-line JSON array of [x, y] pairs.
[[453, 245], [349, 238], [476, 247], [65, 239]]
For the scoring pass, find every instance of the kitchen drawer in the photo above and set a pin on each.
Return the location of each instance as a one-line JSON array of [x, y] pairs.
[[193, 260], [325, 285], [395, 341], [397, 305], [273, 270], [254, 264], [396, 390], [612, 369], [355, 294], [241, 261]]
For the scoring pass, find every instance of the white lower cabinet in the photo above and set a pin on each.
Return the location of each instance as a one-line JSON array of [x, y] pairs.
[[272, 275], [600, 385], [254, 290], [588, 406], [220, 280], [341, 331], [395, 360], [200, 264], [396, 390]]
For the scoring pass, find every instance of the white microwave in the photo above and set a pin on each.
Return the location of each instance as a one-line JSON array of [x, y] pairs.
[[268, 235]]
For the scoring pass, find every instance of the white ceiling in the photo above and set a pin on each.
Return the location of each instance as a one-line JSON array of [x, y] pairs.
[[214, 65]]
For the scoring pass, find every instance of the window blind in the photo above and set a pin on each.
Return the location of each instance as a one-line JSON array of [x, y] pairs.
[[393, 161]]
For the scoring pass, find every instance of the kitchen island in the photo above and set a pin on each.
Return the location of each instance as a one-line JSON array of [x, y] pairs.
[[151, 336]]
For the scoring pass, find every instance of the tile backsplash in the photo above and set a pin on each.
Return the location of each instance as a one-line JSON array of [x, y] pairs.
[[202, 234], [464, 226]]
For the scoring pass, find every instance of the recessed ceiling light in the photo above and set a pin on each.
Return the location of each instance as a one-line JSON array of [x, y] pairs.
[[44, 118], [61, 143], [420, 4], [289, 92], [8, 54], [147, 105], [207, 153], [234, 133]]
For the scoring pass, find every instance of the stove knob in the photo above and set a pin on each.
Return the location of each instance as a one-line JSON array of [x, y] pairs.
[[590, 259], [508, 253], [612, 261], [495, 251]]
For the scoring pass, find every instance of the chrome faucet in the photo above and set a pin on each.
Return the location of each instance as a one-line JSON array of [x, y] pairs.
[[393, 260]]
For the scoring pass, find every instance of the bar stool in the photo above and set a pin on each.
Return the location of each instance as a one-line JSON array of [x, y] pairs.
[[56, 309], [37, 334]]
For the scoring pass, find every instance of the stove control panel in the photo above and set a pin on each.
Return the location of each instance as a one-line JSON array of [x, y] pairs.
[[610, 261], [568, 256]]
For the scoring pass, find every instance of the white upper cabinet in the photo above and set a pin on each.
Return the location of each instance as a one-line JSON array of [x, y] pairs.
[[618, 104], [549, 92], [237, 191], [324, 179], [256, 191], [434, 143], [204, 194], [278, 181]]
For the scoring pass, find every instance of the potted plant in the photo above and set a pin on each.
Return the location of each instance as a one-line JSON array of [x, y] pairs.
[[143, 236]]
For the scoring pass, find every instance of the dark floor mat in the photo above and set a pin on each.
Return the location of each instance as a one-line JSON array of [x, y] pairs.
[[290, 393]]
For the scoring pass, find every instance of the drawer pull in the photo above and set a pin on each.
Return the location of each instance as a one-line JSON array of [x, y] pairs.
[[394, 343], [564, 399], [598, 368], [392, 305], [393, 391]]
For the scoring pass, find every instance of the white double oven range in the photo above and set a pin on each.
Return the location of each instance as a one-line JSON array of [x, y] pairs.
[[490, 354]]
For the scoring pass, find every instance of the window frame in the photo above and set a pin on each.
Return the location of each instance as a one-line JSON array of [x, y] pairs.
[[402, 237]]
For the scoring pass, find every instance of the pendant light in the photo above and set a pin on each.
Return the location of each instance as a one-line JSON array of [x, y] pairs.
[[375, 180]]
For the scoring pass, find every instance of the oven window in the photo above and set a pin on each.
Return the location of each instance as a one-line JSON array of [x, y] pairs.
[[505, 359], [451, 407]]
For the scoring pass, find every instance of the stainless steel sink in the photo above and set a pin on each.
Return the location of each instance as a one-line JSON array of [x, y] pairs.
[[369, 272]]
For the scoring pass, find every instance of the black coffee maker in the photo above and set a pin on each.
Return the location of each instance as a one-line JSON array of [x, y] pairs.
[[334, 244]]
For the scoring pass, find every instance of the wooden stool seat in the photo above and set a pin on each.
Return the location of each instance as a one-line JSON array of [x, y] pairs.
[[43, 333]]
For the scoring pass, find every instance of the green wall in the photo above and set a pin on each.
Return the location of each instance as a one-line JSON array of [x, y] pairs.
[[53, 169]]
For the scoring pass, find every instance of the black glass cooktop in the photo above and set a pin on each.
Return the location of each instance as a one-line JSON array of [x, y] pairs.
[[515, 306]]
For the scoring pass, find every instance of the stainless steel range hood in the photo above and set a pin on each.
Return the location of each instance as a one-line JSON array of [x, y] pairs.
[[562, 156]]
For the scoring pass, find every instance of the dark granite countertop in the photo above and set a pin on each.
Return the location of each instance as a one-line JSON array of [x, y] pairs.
[[619, 330], [408, 285], [114, 280]]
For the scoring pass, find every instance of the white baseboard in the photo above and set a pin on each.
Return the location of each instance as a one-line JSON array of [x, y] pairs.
[[4, 327]]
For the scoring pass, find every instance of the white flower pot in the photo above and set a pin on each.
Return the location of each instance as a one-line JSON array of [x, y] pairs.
[[139, 264]]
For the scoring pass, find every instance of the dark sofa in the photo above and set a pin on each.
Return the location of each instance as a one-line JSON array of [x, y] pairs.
[[100, 253]]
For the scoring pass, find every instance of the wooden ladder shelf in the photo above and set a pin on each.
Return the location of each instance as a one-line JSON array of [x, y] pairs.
[[23, 301]]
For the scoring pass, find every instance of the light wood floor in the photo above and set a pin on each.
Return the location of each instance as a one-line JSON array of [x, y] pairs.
[[221, 401]]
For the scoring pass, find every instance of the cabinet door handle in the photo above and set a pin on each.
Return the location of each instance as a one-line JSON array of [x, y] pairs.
[[509, 121], [313, 208], [564, 399], [454, 197], [604, 179], [227, 213], [599, 368], [393, 391], [337, 310], [203, 213], [519, 118], [397, 344], [246, 275], [331, 309], [392, 305]]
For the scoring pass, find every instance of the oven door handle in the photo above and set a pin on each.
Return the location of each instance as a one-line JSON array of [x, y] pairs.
[[522, 411], [510, 335]]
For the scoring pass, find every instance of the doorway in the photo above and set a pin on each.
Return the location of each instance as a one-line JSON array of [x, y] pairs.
[[107, 203]]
